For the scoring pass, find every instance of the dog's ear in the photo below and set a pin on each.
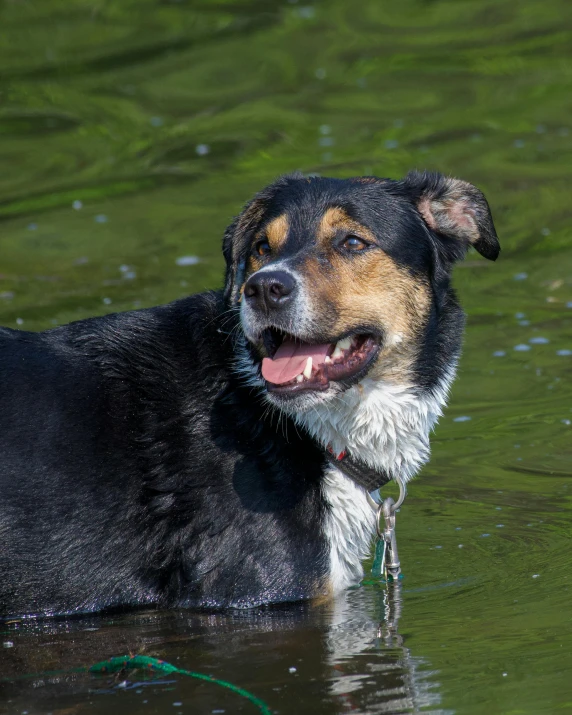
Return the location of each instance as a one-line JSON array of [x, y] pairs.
[[455, 210], [235, 245], [238, 236]]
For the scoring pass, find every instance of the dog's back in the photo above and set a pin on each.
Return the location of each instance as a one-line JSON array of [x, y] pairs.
[[126, 465]]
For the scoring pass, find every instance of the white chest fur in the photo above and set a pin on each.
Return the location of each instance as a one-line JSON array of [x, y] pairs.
[[348, 528], [385, 426]]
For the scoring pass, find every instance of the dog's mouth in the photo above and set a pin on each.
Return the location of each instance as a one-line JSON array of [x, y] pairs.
[[294, 366]]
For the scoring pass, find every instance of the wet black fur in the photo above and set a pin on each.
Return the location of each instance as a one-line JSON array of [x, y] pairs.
[[137, 468]]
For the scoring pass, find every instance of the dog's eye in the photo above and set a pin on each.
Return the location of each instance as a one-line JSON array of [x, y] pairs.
[[353, 243], [262, 248]]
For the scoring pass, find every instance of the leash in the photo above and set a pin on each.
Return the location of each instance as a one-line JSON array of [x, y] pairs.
[[126, 662], [386, 563]]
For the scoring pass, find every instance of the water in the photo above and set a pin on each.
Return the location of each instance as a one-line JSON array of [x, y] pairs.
[[131, 133]]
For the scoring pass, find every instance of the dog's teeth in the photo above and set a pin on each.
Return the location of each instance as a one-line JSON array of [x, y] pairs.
[[338, 353], [344, 344], [308, 369], [299, 378], [328, 359]]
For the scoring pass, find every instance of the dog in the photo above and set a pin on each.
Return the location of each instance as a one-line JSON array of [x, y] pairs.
[[218, 451]]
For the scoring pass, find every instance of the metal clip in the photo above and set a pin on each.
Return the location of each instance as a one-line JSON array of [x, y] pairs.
[[390, 566]]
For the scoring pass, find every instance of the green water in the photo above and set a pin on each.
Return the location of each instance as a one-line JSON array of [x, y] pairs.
[[161, 119]]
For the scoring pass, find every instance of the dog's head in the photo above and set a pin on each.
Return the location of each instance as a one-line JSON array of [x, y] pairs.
[[339, 279]]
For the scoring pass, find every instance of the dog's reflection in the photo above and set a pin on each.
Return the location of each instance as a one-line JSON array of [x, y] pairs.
[[373, 670], [343, 656]]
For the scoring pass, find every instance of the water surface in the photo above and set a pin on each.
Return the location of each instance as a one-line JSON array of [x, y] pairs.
[[131, 133]]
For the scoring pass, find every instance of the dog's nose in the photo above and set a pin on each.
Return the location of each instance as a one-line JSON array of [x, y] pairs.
[[270, 289]]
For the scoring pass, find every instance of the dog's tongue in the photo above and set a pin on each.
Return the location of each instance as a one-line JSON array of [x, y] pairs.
[[290, 360]]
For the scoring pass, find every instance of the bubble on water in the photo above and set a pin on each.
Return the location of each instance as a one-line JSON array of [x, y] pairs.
[[32, 226], [462, 418], [307, 13], [8, 644], [156, 122], [292, 669], [499, 353], [19, 321], [187, 260], [460, 546], [566, 422], [458, 528], [524, 323], [107, 301], [518, 143], [500, 526], [535, 575], [539, 341], [320, 73], [522, 347], [177, 705], [483, 536], [325, 129], [326, 141], [202, 149], [438, 547], [520, 276], [504, 675], [519, 316], [124, 268], [101, 218], [569, 304], [564, 353], [391, 144], [545, 231], [77, 205]]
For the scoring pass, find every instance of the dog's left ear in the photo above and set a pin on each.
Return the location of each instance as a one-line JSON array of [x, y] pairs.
[[234, 248], [455, 210]]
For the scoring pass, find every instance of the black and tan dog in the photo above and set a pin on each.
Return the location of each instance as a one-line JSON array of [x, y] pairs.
[[182, 455]]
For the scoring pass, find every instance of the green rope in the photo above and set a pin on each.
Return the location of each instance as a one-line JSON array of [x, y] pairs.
[[142, 661], [123, 662]]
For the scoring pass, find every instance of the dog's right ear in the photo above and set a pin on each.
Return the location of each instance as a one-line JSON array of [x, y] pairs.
[[238, 236]]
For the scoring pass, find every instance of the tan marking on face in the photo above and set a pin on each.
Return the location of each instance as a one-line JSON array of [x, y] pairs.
[[276, 232], [370, 288], [336, 220], [253, 264]]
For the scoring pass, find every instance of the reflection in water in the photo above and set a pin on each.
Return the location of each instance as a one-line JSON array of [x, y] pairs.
[[347, 656], [373, 669]]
